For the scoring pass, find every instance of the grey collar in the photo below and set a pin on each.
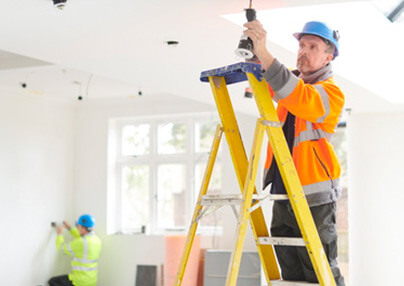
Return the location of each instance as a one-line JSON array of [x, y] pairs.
[[320, 75], [90, 233]]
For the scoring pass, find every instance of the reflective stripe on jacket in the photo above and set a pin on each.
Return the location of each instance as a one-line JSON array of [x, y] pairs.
[[317, 103], [85, 251]]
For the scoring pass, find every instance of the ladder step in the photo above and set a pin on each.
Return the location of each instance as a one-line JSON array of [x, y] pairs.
[[291, 283], [284, 241], [271, 197], [278, 197], [235, 199], [221, 199]]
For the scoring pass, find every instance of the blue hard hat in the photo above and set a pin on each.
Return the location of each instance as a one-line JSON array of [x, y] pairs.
[[86, 220], [320, 29]]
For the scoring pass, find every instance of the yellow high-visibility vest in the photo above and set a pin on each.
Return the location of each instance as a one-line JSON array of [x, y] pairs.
[[85, 251]]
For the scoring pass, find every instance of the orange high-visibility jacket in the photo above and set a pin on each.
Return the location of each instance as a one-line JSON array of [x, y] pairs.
[[317, 103]]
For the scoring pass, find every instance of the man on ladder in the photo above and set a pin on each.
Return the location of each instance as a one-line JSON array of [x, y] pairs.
[[309, 106]]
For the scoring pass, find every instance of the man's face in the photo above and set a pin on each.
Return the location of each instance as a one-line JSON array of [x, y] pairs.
[[82, 229], [312, 54]]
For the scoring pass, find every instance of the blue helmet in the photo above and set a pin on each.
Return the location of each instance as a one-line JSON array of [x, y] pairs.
[[86, 220], [320, 29]]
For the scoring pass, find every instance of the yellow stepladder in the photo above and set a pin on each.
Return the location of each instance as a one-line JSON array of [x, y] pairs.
[[250, 201], [198, 209]]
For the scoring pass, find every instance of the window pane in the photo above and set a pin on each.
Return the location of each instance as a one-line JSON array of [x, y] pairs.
[[171, 138], [215, 186], [136, 140], [204, 132], [171, 195], [135, 196]]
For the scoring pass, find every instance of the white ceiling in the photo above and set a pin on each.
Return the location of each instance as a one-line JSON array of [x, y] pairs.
[[112, 49], [27, 76]]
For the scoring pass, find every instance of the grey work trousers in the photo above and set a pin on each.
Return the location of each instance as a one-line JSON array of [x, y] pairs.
[[294, 261], [62, 280]]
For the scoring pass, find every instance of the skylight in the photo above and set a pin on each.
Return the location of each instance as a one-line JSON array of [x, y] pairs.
[[371, 47], [388, 6]]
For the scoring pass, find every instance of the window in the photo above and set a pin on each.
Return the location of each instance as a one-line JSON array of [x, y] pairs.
[[156, 168]]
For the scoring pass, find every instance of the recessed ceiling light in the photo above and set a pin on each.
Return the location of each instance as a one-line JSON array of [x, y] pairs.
[[172, 43], [60, 4]]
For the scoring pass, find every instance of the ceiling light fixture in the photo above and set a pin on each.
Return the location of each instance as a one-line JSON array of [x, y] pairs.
[[79, 97], [245, 46], [60, 4], [172, 43]]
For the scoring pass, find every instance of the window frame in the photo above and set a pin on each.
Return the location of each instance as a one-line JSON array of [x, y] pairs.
[[117, 162]]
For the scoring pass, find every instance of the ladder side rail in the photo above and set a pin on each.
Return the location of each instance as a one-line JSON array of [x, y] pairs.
[[240, 162], [292, 182], [198, 208], [230, 127], [244, 212]]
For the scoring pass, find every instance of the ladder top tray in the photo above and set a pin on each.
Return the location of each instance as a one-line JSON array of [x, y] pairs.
[[234, 73]]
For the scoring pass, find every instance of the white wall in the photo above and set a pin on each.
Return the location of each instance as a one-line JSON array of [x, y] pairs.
[[376, 198], [53, 166], [36, 150], [121, 253]]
